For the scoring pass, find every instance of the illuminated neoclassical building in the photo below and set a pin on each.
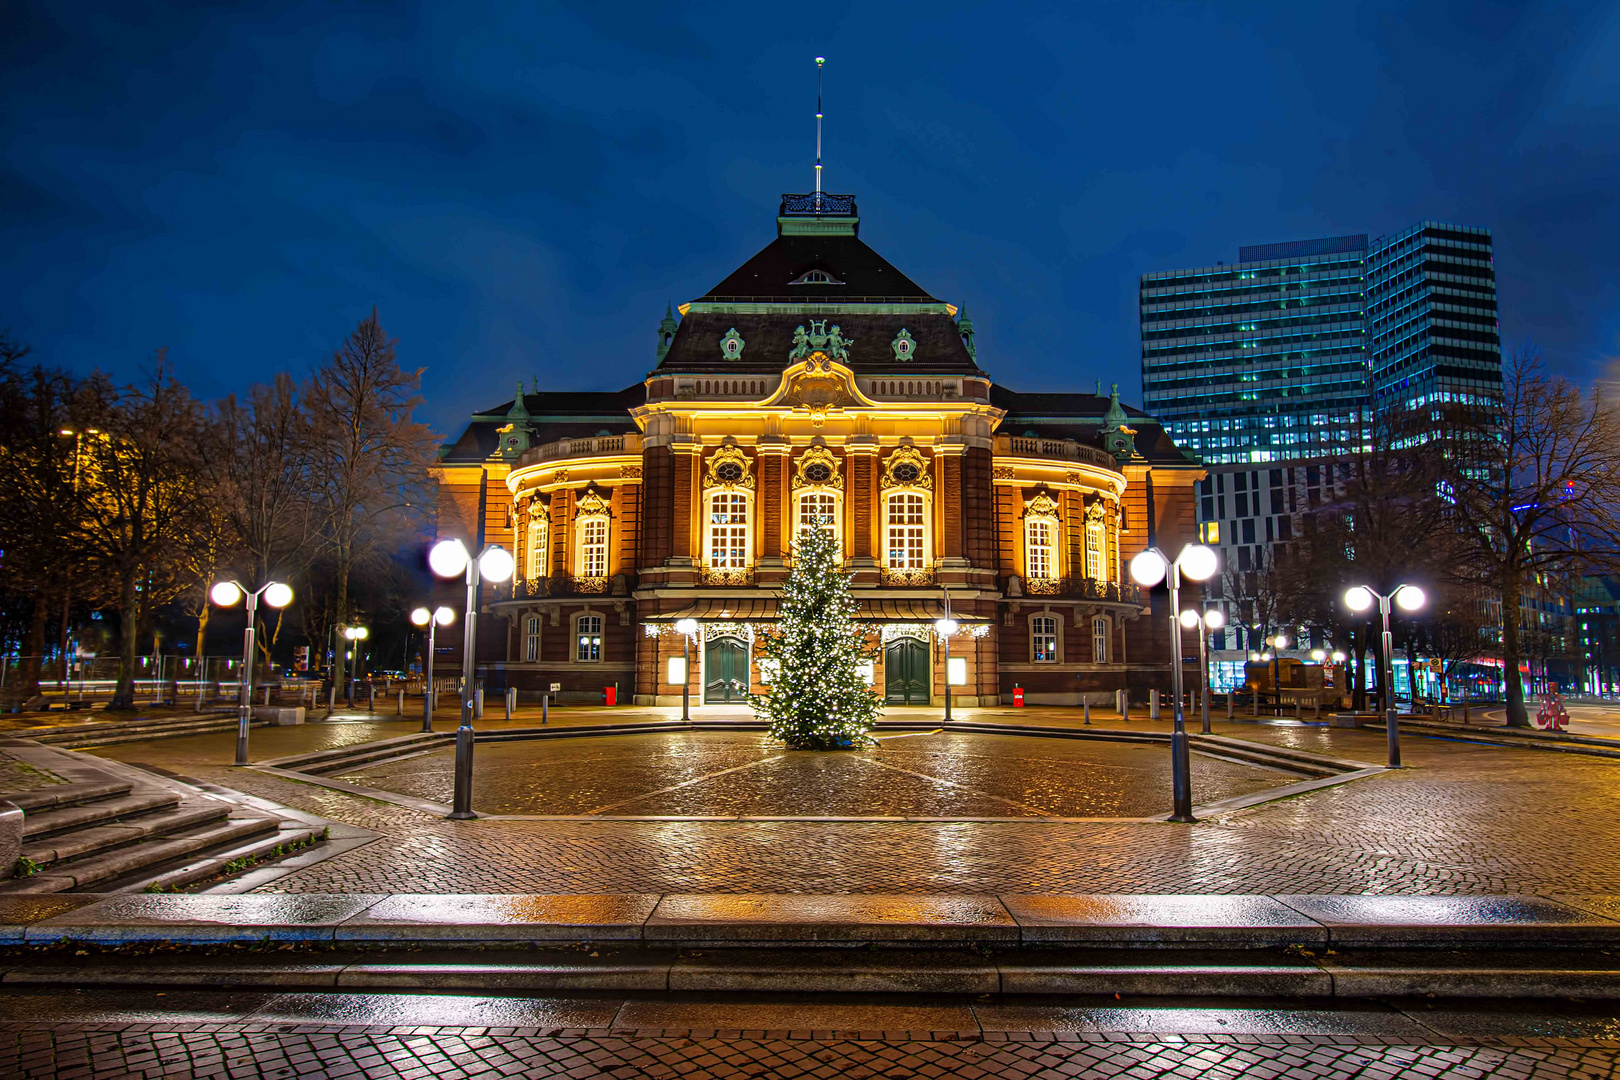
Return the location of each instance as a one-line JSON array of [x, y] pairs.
[[819, 387]]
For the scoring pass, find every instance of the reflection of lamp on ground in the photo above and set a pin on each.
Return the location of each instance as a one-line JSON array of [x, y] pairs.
[[688, 629], [442, 616], [1212, 619], [226, 593], [1148, 568], [449, 558], [1359, 598]]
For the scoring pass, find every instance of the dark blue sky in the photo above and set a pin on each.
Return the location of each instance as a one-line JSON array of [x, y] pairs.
[[519, 187]]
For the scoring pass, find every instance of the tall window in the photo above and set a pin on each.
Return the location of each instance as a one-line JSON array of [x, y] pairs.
[[588, 638], [536, 559], [593, 535], [1038, 535], [819, 510], [1096, 551], [531, 638], [1099, 640], [905, 531], [1043, 639], [728, 530]]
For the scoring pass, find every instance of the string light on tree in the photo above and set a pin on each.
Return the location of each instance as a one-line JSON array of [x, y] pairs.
[[819, 697]]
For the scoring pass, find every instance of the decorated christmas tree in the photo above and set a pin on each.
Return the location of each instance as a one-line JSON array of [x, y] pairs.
[[819, 698]]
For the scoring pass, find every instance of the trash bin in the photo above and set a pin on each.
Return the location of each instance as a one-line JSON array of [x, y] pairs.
[[1018, 697], [610, 695]]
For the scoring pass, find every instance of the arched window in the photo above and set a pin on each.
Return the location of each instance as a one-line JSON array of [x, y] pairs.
[[728, 530], [591, 538], [535, 553], [1100, 635], [1041, 542], [818, 493], [818, 509], [907, 531], [1096, 545], [531, 638]]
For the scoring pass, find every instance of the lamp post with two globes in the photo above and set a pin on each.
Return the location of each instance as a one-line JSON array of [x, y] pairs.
[[442, 616], [1360, 598], [494, 564], [1206, 622], [354, 635], [688, 629], [277, 594], [1148, 568]]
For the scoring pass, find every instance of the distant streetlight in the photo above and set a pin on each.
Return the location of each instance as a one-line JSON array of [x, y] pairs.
[[226, 593], [688, 629], [442, 616], [1360, 598], [449, 558], [1212, 619], [1148, 568]]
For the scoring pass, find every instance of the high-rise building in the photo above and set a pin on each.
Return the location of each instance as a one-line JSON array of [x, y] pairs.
[[1432, 334], [1284, 355], [1264, 360]]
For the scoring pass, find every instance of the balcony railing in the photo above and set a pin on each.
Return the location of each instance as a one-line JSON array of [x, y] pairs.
[[629, 443], [906, 578], [1083, 588], [1062, 449], [564, 585], [721, 576]]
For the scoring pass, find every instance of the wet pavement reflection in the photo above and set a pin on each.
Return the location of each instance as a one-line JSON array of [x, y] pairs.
[[940, 774]]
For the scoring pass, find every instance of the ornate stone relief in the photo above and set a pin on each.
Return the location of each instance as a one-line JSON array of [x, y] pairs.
[[591, 504], [820, 339], [906, 467], [817, 467], [729, 467]]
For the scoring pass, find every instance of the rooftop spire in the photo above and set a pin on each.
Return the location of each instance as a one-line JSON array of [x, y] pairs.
[[819, 61]]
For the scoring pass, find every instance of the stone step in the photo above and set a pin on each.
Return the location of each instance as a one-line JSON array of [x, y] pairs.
[[62, 795], [81, 740], [216, 862], [149, 855], [90, 840], [48, 733], [360, 754], [38, 824]]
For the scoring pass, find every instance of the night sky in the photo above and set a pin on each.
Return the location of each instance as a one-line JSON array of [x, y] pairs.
[[520, 187]]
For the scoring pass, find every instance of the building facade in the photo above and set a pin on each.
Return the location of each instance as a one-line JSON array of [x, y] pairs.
[[818, 386]]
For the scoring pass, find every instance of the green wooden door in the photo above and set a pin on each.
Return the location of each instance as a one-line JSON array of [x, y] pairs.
[[725, 671], [905, 672]]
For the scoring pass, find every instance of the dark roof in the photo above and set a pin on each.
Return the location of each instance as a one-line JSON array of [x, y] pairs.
[[552, 416], [1080, 417], [768, 338], [863, 272]]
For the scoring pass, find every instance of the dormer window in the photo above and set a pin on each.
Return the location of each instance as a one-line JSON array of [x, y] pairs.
[[815, 277]]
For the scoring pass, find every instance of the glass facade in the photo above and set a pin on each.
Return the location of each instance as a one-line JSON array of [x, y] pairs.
[[1283, 355]]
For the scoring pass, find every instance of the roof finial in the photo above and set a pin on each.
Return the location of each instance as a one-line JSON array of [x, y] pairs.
[[819, 61]]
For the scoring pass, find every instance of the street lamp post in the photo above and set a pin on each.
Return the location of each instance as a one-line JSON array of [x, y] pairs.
[[1278, 644], [432, 620], [449, 558], [1360, 598], [354, 635], [1207, 622], [688, 629], [1148, 568], [226, 593], [945, 627]]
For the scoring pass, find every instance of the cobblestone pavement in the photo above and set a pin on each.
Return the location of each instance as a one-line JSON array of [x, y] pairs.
[[926, 774], [1464, 818], [339, 1035]]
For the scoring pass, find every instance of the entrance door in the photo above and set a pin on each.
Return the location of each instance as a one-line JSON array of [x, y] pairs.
[[905, 672], [725, 671]]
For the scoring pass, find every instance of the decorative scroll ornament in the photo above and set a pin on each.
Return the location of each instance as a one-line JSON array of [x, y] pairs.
[[1041, 506], [731, 345], [539, 512], [1096, 511], [818, 388], [820, 339], [729, 468], [817, 467], [904, 346], [590, 504], [894, 631], [906, 467]]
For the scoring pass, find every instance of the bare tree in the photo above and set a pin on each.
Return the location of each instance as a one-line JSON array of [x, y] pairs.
[[369, 458], [1536, 487]]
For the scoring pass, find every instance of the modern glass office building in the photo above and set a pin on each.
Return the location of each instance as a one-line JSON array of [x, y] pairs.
[[1283, 355]]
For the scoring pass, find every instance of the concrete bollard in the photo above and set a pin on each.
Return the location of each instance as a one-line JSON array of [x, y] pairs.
[[1122, 703], [478, 703], [371, 698], [331, 700], [545, 706], [511, 700], [267, 695], [1088, 712], [1230, 697], [401, 710], [1153, 704]]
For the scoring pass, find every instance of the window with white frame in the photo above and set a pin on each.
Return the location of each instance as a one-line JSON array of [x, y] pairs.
[[588, 638], [818, 509], [593, 543], [1039, 534], [536, 557], [1043, 639], [1099, 639], [728, 530], [1096, 551], [906, 531], [531, 638]]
